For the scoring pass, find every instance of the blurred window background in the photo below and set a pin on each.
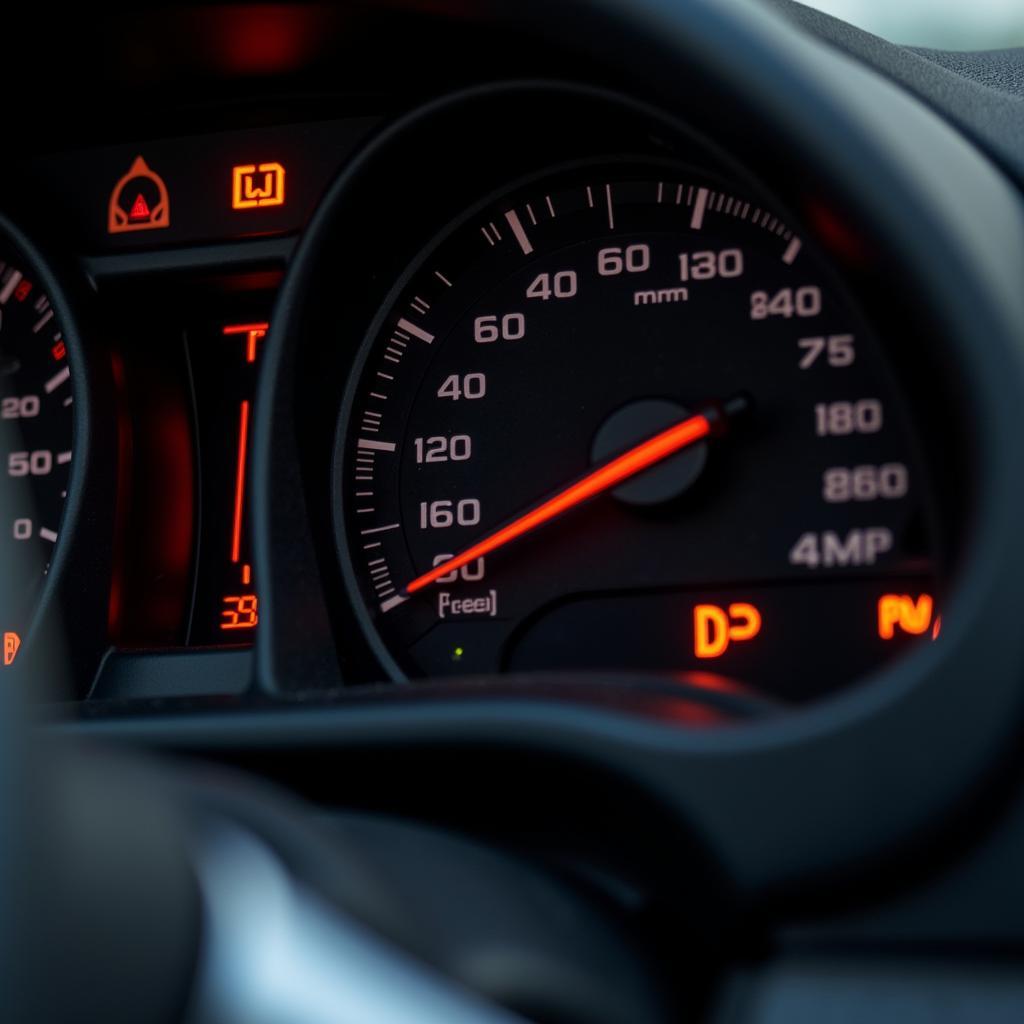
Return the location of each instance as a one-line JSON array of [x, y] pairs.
[[944, 24]]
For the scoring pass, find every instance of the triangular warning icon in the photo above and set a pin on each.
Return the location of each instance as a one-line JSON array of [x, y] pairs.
[[140, 208]]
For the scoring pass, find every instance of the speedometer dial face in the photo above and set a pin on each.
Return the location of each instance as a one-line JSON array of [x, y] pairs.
[[624, 418], [36, 401]]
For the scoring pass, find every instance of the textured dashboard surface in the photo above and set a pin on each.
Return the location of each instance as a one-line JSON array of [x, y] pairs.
[[981, 92]]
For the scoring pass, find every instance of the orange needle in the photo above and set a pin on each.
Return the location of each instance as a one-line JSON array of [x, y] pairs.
[[608, 476]]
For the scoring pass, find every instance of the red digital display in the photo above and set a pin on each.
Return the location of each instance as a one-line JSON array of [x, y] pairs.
[[184, 573], [240, 611]]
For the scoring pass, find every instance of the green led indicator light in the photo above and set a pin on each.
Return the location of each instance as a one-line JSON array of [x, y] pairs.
[[457, 653]]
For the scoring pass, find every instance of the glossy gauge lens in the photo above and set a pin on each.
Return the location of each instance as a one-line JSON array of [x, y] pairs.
[[36, 451], [625, 418]]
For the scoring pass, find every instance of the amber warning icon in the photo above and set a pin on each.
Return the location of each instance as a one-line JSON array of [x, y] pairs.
[[139, 201], [12, 643]]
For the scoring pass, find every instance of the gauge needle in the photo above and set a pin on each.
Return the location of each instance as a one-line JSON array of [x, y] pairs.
[[644, 455]]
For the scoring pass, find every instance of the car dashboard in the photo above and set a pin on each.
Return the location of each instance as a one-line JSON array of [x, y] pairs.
[[173, 245], [484, 416]]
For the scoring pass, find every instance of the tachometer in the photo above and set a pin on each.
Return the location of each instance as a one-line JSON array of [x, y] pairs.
[[36, 399], [624, 417]]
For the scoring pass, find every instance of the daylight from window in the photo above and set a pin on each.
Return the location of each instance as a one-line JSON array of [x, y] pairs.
[[946, 24]]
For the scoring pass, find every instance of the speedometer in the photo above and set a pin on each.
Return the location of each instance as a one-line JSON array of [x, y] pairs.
[[36, 399], [625, 417]]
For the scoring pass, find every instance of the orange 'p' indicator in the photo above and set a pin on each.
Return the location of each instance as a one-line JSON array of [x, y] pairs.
[[715, 628], [901, 611], [12, 643]]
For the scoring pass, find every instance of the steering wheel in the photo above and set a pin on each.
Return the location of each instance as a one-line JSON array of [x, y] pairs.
[[142, 891]]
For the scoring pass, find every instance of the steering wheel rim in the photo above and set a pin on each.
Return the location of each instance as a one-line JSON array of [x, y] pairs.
[[706, 36], [956, 225]]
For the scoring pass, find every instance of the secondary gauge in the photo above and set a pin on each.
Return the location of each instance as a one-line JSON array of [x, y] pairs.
[[36, 400], [624, 417]]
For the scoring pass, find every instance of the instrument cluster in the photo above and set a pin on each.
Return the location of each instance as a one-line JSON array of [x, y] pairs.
[[617, 402], [606, 404]]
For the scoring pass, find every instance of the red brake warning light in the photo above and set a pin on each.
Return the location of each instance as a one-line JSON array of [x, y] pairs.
[[139, 201]]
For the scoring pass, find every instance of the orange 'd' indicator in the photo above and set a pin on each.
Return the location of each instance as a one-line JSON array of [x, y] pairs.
[[715, 628], [901, 611]]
